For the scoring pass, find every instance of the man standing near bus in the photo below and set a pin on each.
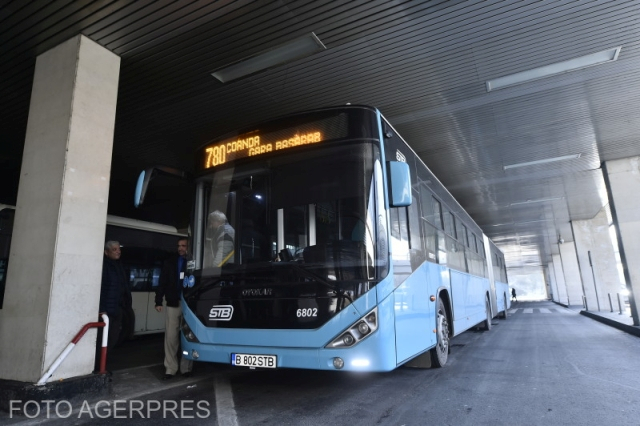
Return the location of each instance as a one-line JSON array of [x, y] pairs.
[[115, 295], [170, 288]]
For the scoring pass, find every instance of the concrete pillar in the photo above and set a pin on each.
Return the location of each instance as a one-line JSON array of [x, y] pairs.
[[571, 272], [597, 260], [553, 285], [622, 178], [53, 283], [561, 286]]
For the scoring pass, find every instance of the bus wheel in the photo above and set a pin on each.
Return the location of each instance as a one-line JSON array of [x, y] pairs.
[[440, 353], [504, 313], [487, 322]]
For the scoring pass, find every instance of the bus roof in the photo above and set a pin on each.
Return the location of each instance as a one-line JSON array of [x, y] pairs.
[[125, 222]]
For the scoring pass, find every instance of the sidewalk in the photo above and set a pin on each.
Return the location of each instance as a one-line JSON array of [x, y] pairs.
[[137, 369], [621, 321]]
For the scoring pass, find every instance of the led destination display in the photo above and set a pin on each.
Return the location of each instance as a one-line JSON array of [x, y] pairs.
[[246, 146]]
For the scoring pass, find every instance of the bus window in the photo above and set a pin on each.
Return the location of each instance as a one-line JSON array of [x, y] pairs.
[[464, 236], [436, 214], [6, 229], [430, 232], [449, 224]]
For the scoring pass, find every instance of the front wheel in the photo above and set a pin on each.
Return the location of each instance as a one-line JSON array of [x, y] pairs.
[[504, 313], [487, 321], [440, 353]]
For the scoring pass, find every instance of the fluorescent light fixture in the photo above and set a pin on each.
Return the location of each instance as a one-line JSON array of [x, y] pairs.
[[544, 161], [286, 52], [554, 69], [540, 200]]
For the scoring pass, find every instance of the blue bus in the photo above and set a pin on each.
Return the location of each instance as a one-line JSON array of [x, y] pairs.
[[348, 253]]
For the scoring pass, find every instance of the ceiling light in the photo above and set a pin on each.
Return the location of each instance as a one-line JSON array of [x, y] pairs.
[[544, 161], [554, 69], [540, 200], [286, 52]]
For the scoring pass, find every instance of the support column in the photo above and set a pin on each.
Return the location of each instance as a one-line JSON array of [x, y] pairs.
[[571, 273], [597, 260], [53, 282], [622, 178], [561, 286]]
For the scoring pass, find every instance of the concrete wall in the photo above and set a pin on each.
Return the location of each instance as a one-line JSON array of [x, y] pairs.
[[623, 184], [597, 260], [561, 295], [571, 273]]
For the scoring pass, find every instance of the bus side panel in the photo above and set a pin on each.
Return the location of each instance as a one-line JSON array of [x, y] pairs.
[[415, 313], [140, 306], [468, 294], [155, 320]]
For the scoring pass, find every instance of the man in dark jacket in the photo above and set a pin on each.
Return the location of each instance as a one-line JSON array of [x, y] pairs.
[[170, 288], [115, 294]]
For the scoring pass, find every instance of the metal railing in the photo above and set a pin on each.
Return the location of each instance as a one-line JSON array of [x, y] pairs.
[[72, 344]]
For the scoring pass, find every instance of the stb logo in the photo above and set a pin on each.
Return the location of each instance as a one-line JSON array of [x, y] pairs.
[[221, 313]]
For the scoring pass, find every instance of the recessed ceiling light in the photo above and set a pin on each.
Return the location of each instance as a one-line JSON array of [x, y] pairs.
[[554, 69], [279, 55], [539, 200], [544, 161]]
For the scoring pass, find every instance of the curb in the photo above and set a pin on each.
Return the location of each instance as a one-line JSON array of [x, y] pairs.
[[624, 327]]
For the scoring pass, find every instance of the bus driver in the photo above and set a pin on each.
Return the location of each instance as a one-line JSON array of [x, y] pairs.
[[222, 239]]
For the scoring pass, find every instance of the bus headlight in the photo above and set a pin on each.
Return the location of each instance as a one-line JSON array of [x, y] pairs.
[[188, 334], [363, 328], [348, 339], [358, 331]]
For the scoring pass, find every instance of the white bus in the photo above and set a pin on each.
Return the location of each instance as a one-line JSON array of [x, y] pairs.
[[145, 246]]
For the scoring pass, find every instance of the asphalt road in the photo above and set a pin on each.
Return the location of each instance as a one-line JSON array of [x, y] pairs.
[[543, 365]]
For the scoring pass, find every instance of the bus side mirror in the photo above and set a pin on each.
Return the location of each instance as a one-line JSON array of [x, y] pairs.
[[141, 186], [399, 184], [145, 177]]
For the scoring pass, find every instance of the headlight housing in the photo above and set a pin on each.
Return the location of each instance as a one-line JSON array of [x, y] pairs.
[[362, 328], [188, 334]]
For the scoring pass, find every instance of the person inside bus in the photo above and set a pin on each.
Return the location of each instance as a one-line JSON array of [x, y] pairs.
[[115, 295], [222, 240], [170, 288]]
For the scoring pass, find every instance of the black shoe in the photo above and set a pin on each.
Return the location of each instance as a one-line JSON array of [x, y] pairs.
[[187, 374], [167, 377]]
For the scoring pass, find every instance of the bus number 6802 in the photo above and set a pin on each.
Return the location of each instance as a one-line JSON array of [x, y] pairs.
[[308, 312]]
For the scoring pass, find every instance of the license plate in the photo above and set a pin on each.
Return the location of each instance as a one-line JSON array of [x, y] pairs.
[[249, 360]]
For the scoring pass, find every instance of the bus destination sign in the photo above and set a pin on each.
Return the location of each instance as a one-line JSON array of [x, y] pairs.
[[250, 145]]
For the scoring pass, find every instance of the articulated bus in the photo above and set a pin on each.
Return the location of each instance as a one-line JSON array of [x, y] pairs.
[[145, 245], [348, 253]]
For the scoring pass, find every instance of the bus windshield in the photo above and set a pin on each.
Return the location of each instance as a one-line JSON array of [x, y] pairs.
[[313, 210]]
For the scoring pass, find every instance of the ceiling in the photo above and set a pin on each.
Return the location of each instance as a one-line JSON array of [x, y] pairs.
[[423, 63]]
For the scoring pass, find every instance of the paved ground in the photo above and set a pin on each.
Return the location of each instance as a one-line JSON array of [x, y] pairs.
[[543, 355]]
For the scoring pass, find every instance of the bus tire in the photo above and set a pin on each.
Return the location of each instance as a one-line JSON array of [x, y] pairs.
[[504, 313], [486, 326], [440, 352]]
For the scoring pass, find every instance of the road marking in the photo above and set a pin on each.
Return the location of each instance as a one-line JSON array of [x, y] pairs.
[[225, 408], [528, 310], [544, 311]]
